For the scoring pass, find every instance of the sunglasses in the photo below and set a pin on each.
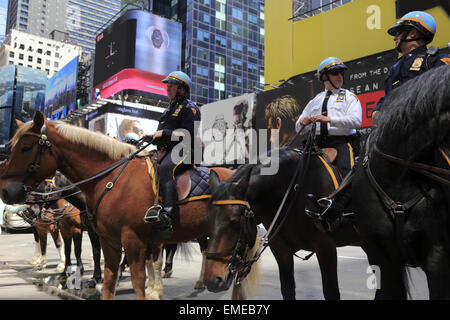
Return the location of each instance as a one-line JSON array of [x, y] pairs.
[[336, 72]]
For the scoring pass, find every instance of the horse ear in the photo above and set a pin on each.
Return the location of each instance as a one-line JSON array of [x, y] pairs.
[[242, 184], [38, 121], [214, 179], [19, 123]]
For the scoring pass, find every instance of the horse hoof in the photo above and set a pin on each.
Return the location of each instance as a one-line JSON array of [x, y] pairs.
[[91, 283], [151, 295], [60, 267], [34, 261], [39, 267], [167, 275], [199, 285]]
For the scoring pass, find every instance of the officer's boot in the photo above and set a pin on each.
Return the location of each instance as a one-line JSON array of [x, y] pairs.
[[161, 217]]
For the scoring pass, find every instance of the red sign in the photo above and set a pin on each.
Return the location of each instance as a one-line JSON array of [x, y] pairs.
[[368, 102], [131, 79]]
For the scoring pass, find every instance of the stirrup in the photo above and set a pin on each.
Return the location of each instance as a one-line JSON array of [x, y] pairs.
[[153, 214], [322, 205]]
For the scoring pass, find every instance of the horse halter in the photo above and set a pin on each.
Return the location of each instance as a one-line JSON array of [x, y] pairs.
[[43, 144], [237, 265]]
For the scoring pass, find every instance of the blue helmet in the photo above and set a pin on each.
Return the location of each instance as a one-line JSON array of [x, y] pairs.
[[180, 78], [422, 21], [330, 63]]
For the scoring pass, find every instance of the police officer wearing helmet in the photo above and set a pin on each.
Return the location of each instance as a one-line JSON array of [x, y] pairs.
[[339, 113], [411, 34], [180, 114]]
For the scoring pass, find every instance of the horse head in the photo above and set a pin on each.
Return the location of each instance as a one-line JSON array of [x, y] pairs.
[[30, 162], [233, 231]]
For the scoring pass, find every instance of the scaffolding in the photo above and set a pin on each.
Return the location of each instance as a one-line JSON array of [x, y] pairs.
[[305, 9]]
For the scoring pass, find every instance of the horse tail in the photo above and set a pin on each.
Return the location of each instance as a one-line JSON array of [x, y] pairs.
[[250, 283], [184, 249]]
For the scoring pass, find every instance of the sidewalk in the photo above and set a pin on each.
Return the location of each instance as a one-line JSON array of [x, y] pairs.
[[14, 287]]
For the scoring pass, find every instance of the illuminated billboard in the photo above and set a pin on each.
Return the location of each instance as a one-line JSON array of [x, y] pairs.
[[136, 52], [61, 90]]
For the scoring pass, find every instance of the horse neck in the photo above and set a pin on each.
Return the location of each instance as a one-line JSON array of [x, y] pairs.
[[77, 162]]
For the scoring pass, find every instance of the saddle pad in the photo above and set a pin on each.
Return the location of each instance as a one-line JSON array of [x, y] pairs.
[[199, 182]]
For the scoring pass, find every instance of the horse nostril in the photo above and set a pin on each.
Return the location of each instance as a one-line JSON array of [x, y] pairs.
[[218, 281]]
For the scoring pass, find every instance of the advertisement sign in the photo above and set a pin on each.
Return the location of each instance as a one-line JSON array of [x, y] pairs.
[[118, 125], [225, 130], [61, 90], [7, 75], [140, 41]]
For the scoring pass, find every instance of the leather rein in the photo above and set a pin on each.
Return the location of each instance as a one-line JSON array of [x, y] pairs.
[[393, 206]]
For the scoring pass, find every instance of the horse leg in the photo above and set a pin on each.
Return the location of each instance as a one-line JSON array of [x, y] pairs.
[[96, 253], [42, 262], [37, 248], [327, 258], [285, 261], [77, 241], [203, 242], [135, 252], [170, 253], [392, 285], [112, 257], [155, 288], [436, 269], [54, 232]]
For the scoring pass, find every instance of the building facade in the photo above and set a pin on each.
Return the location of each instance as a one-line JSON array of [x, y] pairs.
[[32, 51], [223, 47], [76, 21], [3, 16]]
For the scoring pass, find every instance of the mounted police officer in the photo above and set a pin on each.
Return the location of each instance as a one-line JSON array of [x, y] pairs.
[[339, 114], [411, 35], [180, 114]]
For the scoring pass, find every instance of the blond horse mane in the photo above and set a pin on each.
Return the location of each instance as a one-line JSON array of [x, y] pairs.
[[114, 149]]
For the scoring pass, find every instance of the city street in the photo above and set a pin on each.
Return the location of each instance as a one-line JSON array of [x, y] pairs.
[[19, 281]]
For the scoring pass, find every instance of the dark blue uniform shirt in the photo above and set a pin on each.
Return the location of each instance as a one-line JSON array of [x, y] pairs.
[[411, 65], [178, 115]]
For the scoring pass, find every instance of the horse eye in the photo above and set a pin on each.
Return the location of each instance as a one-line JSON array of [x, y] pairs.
[[26, 149]]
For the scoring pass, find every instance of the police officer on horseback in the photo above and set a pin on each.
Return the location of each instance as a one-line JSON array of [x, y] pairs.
[[339, 113], [411, 34], [180, 114]]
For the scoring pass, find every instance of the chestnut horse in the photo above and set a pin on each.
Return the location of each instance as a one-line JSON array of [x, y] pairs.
[[41, 147]]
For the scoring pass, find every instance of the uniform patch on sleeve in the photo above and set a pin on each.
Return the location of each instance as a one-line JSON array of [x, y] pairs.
[[194, 111], [446, 60]]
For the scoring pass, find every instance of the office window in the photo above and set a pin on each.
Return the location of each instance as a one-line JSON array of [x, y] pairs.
[[47, 62], [236, 64], [11, 54], [252, 18], [221, 24], [202, 53], [39, 50], [219, 77], [237, 81], [203, 91], [22, 26], [202, 35], [237, 13], [236, 45], [219, 94], [202, 71], [205, 2], [221, 41], [205, 18], [252, 52], [237, 30], [39, 60], [220, 6], [30, 59], [21, 56], [251, 68], [56, 64], [220, 59]]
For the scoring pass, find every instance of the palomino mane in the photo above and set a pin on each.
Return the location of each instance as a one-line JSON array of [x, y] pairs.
[[93, 140], [114, 149], [419, 111]]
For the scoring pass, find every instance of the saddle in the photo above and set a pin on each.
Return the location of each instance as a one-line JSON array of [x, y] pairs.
[[192, 184], [330, 155]]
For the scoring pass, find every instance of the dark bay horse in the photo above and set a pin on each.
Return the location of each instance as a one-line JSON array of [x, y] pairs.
[[249, 191], [414, 230], [40, 147]]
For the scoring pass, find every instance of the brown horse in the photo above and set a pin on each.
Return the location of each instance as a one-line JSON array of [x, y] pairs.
[[40, 147]]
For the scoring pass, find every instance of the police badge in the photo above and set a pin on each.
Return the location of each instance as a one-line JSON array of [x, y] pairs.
[[416, 64]]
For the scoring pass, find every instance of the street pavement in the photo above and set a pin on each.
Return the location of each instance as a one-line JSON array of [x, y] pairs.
[[19, 281]]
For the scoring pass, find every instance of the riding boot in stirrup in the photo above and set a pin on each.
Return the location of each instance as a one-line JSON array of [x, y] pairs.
[[161, 217]]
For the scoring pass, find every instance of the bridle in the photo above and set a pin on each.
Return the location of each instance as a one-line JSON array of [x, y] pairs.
[[235, 260], [43, 145], [393, 206]]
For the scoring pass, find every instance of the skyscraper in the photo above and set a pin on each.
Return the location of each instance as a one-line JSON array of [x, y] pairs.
[[76, 21], [3, 15], [223, 47]]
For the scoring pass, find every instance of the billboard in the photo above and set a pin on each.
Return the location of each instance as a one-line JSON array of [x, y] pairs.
[[148, 44], [118, 125], [7, 75], [61, 90], [225, 130]]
